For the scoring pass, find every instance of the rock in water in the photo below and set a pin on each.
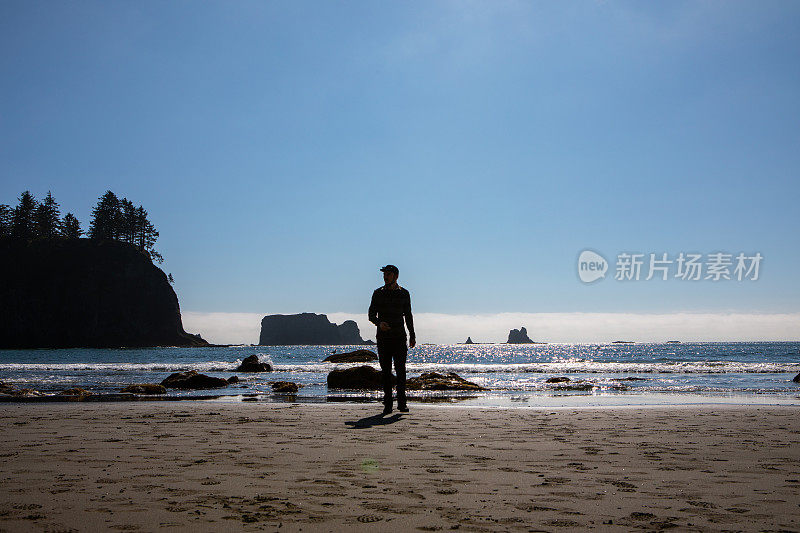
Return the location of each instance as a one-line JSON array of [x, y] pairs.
[[469, 341], [797, 378], [519, 336], [252, 364], [358, 356], [145, 388], [76, 392], [361, 377], [436, 381], [560, 379], [83, 293], [192, 380], [308, 329], [285, 386]]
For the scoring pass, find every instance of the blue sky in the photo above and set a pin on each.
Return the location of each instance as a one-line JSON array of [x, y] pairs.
[[287, 150]]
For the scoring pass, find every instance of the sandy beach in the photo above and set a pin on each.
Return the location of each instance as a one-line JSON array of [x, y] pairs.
[[204, 466]]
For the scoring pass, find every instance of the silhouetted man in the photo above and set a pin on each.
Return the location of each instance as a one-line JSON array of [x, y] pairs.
[[389, 305]]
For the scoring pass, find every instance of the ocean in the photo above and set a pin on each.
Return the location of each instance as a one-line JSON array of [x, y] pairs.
[[600, 374]]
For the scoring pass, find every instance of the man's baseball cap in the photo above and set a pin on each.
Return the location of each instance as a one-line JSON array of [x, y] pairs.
[[391, 268]]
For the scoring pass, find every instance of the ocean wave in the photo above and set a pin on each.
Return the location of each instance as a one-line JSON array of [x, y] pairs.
[[556, 367], [206, 366], [572, 367]]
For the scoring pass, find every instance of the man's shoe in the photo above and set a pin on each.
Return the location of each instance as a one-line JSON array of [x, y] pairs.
[[402, 408], [387, 409]]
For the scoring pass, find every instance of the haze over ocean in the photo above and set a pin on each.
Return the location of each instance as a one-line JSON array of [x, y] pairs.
[[286, 151]]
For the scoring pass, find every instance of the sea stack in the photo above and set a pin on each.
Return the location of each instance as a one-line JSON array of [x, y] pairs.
[[519, 336], [307, 329], [469, 341]]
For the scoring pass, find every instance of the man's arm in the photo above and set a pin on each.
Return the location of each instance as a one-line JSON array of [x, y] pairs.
[[412, 337], [373, 310]]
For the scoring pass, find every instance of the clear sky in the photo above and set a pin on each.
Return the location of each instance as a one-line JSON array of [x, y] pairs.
[[287, 150]]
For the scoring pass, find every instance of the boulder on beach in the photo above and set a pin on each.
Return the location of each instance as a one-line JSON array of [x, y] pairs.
[[145, 388], [285, 386], [252, 364], [797, 378], [559, 379], [76, 391], [436, 381], [232, 379], [577, 385], [192, 380], [362, 377], [357, 356], [7, 389]]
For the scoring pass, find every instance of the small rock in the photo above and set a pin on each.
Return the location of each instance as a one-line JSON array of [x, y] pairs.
[[436, 381], [358, 356], [252, 364], [797, 378], [285, 386], [192, 380], [77, 391], [27, 392], [145, 388], [560, 379], [579, 385], [233, 379]]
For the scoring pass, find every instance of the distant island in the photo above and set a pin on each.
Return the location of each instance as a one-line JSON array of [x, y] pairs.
[[520, 336], [308, 329], [62, 290]]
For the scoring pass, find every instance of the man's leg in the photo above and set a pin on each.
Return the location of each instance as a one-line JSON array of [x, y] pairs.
[[385, 360], [400, 354]]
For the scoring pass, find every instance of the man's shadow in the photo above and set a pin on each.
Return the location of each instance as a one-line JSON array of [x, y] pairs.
[[374, 420]]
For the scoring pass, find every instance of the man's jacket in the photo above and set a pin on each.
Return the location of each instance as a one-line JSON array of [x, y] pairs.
[[391, 306]]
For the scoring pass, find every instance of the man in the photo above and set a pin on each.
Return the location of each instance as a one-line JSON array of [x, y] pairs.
[[390, 304]]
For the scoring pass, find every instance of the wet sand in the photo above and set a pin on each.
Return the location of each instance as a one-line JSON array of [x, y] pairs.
[[204, 466]]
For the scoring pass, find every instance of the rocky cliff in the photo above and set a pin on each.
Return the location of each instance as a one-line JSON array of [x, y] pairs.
[[307, 328], [84, 293]]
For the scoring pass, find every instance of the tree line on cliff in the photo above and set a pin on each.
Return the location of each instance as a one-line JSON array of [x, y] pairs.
[[112, 219]]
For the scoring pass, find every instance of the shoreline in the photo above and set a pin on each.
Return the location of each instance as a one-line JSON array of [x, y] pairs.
[[191, 466], [521, 400], [506, 401]]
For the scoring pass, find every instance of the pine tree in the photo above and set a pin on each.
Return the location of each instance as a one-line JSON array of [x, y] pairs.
[[23, 226], [106, 218], [5, 220], [128, 221], [150, 237], [47, 218], [71, 227]]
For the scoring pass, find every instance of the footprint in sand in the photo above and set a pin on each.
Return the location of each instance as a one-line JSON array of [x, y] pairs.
[[704, 505], [561, 522], [369, 518], [624, 486]]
